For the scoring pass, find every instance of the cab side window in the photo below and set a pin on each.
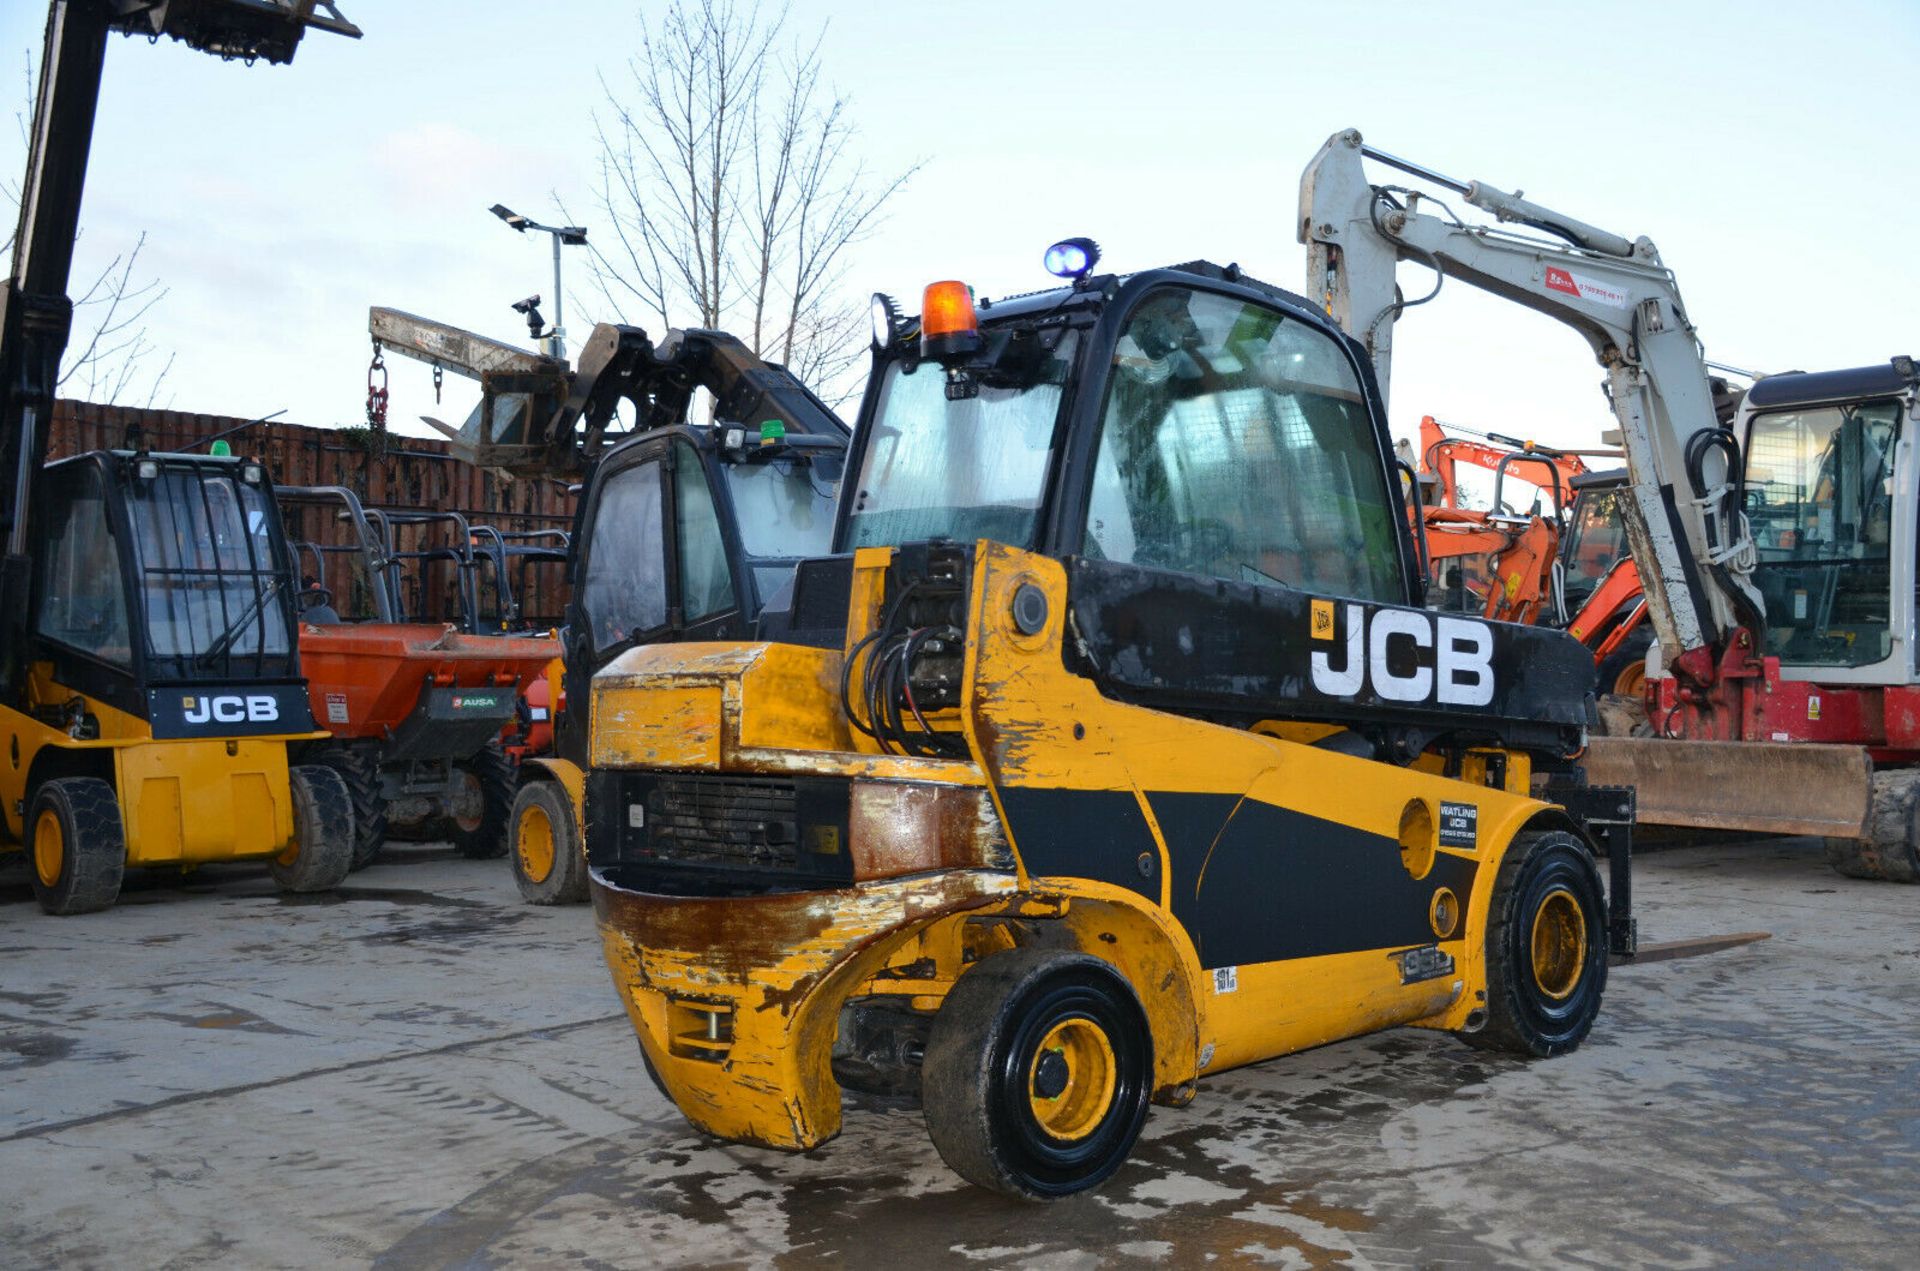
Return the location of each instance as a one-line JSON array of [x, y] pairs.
[[624, 589], [706, 582], [1236, 444], [83, 601]]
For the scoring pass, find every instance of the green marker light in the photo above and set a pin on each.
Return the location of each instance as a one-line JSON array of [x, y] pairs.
[[771, 431], [220, 450]]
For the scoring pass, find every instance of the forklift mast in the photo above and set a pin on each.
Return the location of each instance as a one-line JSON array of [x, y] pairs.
[[36, 314]]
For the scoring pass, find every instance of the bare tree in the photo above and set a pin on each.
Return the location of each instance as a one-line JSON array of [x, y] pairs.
[[729, 178], [109, 356]]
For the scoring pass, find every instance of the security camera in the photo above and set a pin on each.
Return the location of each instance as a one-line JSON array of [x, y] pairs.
[[531, 308]]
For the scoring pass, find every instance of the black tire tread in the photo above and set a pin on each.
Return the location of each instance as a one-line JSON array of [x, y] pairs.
[[494, 771], [1506, 1029], [95, 851], [323, 824], [955, 1085], [359, 767]]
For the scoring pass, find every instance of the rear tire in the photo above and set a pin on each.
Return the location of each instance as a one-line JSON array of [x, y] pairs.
[[1546, 948], [547, 863], [1891, 850], [76, 847], [321, 854], [1037, 1073], [484, 836], [359, 767]]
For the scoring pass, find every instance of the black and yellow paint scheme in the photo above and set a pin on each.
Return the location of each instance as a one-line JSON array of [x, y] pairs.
[[138, 732], [769, 885]]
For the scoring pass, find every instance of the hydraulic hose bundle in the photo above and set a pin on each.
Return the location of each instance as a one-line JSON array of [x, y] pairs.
[[909, 666]]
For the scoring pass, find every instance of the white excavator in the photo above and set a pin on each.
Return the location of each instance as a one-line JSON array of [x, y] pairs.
[[1776, 535]]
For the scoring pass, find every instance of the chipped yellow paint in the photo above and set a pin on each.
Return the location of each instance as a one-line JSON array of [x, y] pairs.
[[783, 964], [778, 968]]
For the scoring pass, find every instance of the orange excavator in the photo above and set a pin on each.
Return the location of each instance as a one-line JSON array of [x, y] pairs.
[[1570, 568], [1499, 562]]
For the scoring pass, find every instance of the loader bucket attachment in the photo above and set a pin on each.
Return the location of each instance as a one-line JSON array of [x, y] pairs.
[[1762, 786]]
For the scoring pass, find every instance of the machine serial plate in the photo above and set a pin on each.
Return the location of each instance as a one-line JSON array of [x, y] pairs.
[[1425, 963]]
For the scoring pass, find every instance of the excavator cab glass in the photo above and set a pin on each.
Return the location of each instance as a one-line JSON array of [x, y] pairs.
[[1596, 539], [1820, 499]]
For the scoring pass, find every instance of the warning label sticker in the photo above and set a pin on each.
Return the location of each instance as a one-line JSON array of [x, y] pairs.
[[1226, 979], [336, 708], [1459, 825], [1569, 283]]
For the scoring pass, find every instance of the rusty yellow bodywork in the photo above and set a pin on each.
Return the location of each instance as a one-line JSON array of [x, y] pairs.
[[182, 802], [737, 999]]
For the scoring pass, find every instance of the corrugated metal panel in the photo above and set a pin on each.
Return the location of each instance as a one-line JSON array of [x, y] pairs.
[[413, 473]]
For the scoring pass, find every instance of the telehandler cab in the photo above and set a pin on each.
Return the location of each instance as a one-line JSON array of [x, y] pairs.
[[1113, 750]]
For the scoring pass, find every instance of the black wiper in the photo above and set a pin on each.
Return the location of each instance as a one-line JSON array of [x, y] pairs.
[[227, 637]]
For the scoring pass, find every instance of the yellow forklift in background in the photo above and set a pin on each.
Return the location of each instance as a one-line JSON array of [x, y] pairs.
[[1114, 749], [149, 685]]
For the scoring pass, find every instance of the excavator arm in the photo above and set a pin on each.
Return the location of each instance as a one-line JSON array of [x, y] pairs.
[[1683, 512]]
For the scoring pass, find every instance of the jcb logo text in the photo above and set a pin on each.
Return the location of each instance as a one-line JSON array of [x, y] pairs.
[[1390, 652], [230, 709]]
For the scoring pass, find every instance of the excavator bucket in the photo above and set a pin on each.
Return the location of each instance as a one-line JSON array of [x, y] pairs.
[[1766, 787]]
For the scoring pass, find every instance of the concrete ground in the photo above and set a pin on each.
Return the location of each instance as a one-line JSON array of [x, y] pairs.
[[422, 1072]]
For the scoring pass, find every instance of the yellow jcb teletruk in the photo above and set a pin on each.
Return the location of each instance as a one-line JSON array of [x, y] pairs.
[[1114, 750]]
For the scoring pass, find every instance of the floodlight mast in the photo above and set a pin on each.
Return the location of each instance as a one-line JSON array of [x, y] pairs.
[[555, 339]]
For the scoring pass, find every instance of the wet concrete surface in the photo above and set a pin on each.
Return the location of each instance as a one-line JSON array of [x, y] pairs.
[[422, 1072]]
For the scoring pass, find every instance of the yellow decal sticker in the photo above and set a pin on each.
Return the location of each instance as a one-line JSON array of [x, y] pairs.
[[1323, 620], [1813, 708], [1513, 585]]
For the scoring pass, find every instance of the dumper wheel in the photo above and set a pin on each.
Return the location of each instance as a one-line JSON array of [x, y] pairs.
[[480, 811], [321, 853], [547, 864], [1546, 948], [1891, 850], [359, 767], [77, 848], [1037, 1073]]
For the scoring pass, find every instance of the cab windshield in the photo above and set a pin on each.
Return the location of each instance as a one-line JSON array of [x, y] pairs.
[[1820, 487], [784, 511], [212, 591], [964, 469]]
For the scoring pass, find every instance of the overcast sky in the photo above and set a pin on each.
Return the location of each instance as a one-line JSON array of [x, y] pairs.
[[1764, 147]]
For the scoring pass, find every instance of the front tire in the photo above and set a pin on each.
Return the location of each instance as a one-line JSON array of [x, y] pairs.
[[1546, 948], [321, 854], [480, 825], [76, 845], [1037, 1073], [547, 864]]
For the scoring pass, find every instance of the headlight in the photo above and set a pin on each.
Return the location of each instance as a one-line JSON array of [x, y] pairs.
[[911, 827]]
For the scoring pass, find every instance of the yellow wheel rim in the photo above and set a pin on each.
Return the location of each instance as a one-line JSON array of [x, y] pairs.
[[1559, 945], [534, 843], [1071, 1079], [1632, 678], [49, 849]]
